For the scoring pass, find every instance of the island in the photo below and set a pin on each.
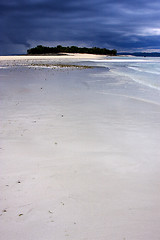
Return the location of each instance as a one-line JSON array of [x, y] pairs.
[[73, 49]]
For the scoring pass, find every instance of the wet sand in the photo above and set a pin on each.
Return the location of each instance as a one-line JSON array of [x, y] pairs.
[[75, 163]]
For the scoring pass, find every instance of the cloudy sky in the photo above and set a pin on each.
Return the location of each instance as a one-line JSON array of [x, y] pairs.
[[121, 24]]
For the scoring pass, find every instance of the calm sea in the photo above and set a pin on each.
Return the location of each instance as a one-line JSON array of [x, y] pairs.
[[137, 77]]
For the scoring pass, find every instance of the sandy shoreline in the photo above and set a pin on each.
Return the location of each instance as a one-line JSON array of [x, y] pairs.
[[62, 57], [76, 163]]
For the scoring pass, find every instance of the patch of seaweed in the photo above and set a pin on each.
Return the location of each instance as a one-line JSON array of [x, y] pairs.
[[62, 66]]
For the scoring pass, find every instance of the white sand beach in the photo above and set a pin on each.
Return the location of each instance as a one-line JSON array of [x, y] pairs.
[[79, 148]]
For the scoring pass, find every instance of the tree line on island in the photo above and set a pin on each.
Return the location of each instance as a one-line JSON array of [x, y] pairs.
[[73, 49]]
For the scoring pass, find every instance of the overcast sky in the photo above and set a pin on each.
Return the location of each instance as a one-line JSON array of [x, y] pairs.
[[121, 24]]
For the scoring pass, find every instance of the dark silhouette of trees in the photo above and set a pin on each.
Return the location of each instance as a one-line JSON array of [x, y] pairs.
[[73, 49]]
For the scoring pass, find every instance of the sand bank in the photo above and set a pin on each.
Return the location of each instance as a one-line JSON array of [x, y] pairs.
[[65, 56]]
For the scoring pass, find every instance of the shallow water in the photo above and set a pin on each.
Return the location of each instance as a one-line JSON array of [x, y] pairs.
[[132, 77]]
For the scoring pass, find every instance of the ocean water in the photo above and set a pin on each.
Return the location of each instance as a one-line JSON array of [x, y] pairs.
[[131, 77]]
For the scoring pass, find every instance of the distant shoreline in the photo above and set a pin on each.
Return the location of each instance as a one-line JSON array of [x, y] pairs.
[[140, 54]]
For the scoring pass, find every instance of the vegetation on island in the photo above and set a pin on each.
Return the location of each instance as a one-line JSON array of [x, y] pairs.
[[73, 49]]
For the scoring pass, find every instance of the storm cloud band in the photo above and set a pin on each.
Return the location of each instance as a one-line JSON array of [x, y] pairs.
[[111, 24]]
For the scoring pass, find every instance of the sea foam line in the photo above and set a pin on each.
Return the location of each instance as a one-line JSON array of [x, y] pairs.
[[146, 84], [130, 97]]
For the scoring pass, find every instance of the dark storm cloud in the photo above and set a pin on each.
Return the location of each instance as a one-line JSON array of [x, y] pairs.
[[119, 24]]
